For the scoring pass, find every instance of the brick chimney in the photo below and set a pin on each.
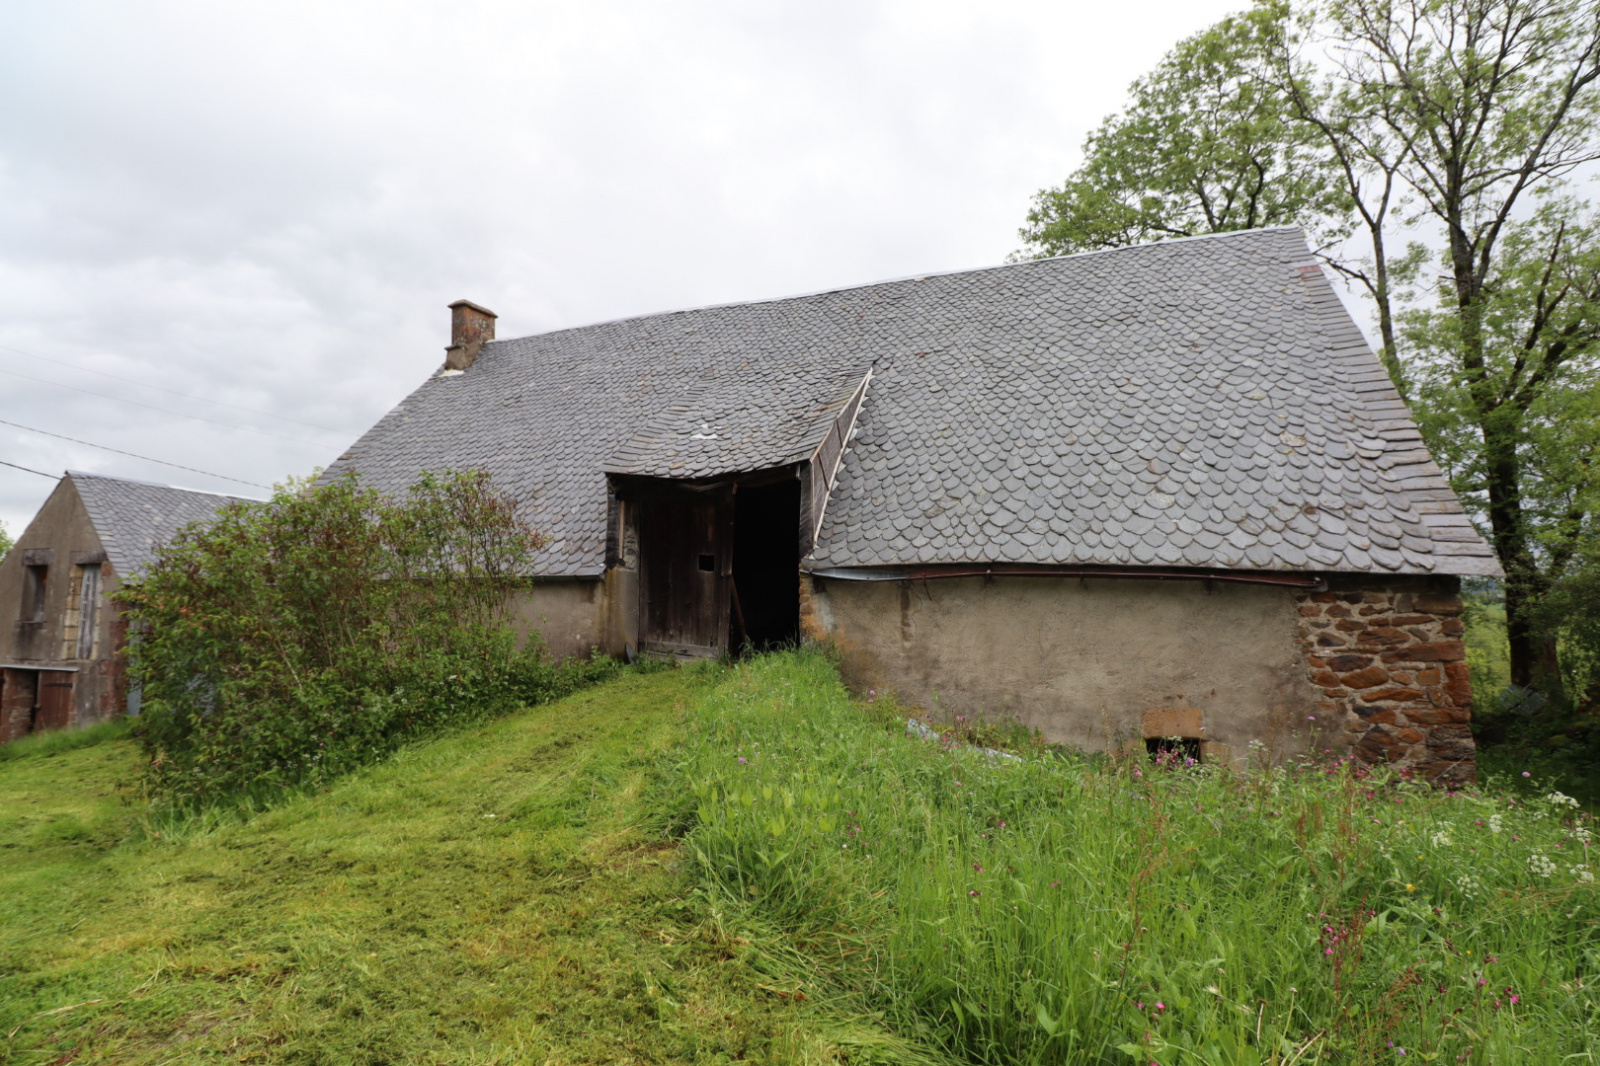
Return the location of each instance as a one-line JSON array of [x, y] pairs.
[[470, 327]]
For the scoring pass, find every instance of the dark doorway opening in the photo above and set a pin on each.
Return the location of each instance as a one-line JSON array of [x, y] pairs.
[[766, 565], [1174, 751]]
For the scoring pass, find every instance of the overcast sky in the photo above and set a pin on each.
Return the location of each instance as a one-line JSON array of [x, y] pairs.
[[265, 207]]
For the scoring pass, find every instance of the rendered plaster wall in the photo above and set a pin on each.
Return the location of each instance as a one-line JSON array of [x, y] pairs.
[[1090, 663], [61, 527], [571, 614], [1389, 660]]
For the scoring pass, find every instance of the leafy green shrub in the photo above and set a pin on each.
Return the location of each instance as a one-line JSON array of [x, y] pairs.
[[289, 641], [1572, 610], [1555, 736], [1071, 910]]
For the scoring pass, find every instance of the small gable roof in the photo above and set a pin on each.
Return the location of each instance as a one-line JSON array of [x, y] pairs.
[[134, 518], [1205, 402], [734, 423]]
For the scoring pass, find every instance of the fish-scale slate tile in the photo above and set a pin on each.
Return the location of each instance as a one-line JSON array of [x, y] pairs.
[[1214, 384], [749, 417], [134, 518]]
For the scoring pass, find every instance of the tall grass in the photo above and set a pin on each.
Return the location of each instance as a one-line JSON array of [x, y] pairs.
[[39, 745], [1048, 909]]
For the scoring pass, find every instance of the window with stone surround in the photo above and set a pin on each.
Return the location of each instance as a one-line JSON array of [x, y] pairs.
[[83, 609]]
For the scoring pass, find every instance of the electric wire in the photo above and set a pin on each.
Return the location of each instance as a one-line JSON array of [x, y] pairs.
[[163, 410], [135, 455], [29, 469], [163, 388]]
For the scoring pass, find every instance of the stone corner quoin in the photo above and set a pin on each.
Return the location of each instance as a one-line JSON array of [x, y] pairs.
[[1388, 658]]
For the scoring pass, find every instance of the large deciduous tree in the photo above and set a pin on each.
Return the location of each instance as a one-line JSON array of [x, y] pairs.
[[1480, 103], [1206, 145], [1407, 119], [1518, 427]]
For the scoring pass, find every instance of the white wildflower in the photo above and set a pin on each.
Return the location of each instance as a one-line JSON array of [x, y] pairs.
[[1541, 866], [1560, 799], [1581, 872], [1441, 839], [1496, 824], [1470, 886]]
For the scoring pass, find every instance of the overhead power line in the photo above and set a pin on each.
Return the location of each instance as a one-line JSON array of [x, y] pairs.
[[163, 410], [29, 469], [135, 455], [163, 388]]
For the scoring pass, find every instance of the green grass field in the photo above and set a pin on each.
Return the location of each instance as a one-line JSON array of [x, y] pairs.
[[486, 898], [1059, 909], [743, 864]]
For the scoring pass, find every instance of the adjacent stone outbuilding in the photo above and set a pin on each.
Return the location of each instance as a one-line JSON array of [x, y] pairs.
[[61, 636], [1114, 495]]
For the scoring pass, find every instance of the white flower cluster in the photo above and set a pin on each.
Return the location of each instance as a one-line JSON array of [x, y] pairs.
[[1541, 866], [1441, 839], [1581, 872], [1470, 886], [1582, 834], [1560, 799], [1496, 824]]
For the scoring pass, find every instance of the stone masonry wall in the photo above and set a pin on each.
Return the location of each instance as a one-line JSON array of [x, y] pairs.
[[1388, 657]]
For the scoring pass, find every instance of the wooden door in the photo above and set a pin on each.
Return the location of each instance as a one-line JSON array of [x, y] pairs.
[[55, 700], [685, 554]]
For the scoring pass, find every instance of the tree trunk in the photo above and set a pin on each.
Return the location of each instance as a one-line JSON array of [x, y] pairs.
[[1533, 655], [1502, 472], [1380, 293]]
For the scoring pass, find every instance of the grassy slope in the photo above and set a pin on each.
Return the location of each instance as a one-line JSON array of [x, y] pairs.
[[1052, 910], [479, 899]]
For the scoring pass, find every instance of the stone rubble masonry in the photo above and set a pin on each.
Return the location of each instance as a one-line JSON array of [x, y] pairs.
[[1387, 655], [16, 704]]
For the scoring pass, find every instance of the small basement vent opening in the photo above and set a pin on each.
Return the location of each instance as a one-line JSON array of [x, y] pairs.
[[1180, 751]]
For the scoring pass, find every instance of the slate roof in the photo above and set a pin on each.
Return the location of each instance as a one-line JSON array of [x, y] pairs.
[[730, 423], [132, 518], [1204, 402]]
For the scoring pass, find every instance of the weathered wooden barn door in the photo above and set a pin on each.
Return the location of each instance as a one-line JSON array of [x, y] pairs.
[[55, 700], [685, 555]]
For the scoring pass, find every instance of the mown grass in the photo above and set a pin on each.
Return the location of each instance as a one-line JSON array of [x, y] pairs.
[[485, 898], [745, 865], [1051, 910]]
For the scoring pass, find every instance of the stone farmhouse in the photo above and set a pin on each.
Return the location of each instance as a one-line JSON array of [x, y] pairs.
[[1162, 491], [61, 660]]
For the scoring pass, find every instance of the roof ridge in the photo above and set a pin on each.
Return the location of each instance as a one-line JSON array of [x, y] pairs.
[[75, 474], [1124, 250]]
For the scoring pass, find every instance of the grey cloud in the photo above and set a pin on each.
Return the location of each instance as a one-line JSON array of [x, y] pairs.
[[269, 205]]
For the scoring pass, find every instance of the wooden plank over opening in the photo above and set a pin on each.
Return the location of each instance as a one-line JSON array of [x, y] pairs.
[[824, 465]]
